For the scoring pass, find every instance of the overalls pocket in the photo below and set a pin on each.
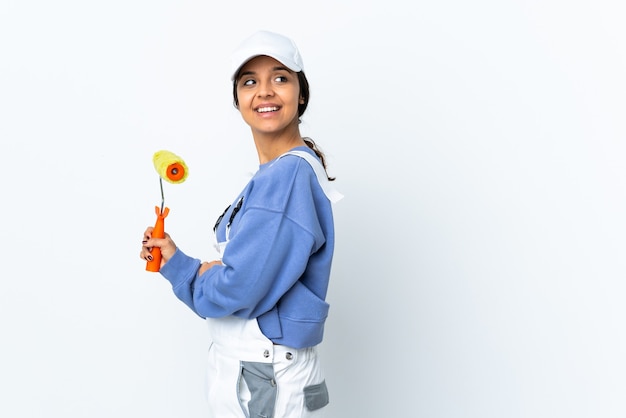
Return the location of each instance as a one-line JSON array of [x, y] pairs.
[[259, 378], [316, 396]]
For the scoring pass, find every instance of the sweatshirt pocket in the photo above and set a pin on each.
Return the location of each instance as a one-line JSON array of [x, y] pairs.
[[300, 304]]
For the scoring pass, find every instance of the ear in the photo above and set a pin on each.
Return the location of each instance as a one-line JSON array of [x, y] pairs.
[[301, 100]]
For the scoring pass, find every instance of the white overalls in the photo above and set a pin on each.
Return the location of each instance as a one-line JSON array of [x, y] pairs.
[[250, 376]]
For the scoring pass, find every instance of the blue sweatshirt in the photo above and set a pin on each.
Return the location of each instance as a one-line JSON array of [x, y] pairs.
[[278, 259]]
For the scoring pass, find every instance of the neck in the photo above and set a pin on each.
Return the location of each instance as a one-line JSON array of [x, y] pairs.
[[270, 146]]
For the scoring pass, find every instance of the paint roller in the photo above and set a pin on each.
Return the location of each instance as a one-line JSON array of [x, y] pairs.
[[172, 169]]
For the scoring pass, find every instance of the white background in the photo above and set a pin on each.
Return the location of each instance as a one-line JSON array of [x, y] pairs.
[[480, 145]]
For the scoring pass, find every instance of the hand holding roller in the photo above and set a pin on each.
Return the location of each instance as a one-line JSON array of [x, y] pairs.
[[173, 169]]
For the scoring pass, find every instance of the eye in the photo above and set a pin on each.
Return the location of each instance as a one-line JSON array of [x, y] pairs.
[[281, 79], [248, 82]]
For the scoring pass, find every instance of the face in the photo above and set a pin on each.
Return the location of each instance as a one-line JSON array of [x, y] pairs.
[[268, 95]]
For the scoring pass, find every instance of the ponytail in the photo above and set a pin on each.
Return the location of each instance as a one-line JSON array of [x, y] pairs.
[[311, 144]]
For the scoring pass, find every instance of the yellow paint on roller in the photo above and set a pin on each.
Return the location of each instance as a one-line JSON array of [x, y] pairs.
[[170, 167]]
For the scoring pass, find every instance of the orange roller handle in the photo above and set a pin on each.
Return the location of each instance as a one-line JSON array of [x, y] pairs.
[[157, 232]]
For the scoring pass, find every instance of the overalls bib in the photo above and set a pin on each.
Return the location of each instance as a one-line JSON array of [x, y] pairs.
[[250, 376]]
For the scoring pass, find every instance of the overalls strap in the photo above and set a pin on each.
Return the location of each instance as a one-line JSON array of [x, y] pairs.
[[331, 193]]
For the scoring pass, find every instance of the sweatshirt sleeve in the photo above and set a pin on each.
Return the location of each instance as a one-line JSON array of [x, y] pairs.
[[266, 257], [181, 270]]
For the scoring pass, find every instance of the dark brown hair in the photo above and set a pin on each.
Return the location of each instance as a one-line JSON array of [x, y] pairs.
[[305, 94]]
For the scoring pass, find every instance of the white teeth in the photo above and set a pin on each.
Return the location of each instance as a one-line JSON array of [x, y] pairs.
[[266, 109]]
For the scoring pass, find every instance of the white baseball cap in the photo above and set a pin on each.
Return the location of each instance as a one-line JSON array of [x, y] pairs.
[[267, 43]]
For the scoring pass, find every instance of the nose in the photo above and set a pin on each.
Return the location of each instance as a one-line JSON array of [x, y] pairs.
[[265, 89]]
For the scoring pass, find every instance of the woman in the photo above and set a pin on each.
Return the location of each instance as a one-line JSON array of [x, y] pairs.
[[264, 300]]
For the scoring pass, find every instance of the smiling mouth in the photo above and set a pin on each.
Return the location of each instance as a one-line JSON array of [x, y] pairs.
[[267, 109]]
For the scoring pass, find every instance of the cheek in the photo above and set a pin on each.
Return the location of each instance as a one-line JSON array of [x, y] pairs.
[[242, 99]]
